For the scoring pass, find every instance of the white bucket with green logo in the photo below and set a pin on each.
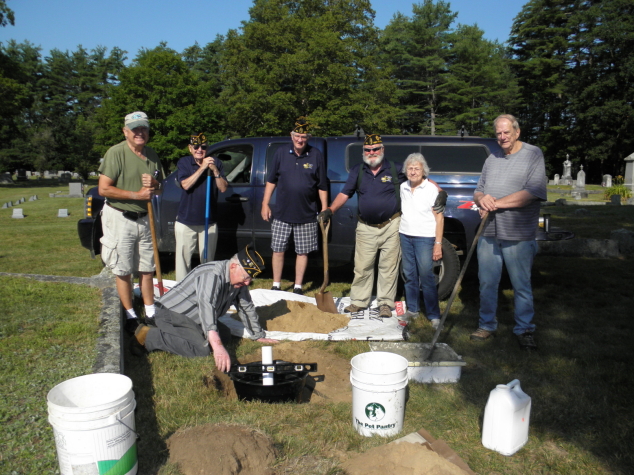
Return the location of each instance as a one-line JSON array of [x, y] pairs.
[[379, 384], [93, 423]]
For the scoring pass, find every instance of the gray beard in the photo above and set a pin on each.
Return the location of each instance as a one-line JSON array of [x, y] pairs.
[[377, 161]]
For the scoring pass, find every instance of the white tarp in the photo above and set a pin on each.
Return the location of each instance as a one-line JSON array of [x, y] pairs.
[[366, 325]]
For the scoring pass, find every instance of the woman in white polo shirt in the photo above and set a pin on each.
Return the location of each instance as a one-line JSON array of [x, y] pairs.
[[421, 232]]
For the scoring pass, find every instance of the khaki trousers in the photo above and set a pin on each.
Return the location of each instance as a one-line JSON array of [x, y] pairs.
[[186, 238], [369, 241]]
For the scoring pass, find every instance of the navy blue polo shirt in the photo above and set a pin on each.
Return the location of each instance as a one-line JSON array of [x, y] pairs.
[[191, 210], [297, 180], [376, 196]]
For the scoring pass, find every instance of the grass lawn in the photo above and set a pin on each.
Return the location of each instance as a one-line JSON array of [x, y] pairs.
[[582, 420]]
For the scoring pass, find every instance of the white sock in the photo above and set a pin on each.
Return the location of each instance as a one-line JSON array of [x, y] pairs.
[[150, 310], [277, 284], [298, 286], [131, 313]]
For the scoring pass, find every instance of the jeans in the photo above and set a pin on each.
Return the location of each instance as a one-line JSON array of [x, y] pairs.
[[517, 256], [419, 275]]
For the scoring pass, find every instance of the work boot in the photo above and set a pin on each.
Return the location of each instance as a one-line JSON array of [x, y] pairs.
[[481, 334], [352, 308], [385, 311], [526, 341], [137, 341]]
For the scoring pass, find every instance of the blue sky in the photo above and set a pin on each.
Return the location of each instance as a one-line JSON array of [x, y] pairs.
[[131, 25]]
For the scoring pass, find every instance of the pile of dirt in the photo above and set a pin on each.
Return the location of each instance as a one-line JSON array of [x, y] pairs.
[[222, 450], [403, 458], [330, 383], [299, 317]]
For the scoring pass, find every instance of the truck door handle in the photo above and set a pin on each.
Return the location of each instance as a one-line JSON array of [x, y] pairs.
[[236, 199]]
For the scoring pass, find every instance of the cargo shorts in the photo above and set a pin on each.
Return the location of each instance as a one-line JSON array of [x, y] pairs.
[[126, 245]]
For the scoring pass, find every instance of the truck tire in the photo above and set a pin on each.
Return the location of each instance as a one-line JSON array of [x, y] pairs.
[[448, 271]]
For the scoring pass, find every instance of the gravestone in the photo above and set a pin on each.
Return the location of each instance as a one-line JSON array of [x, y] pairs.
[[556, 180], [21, 174], [52, 195], [64, 177], [33, 198], [615, 200], [75, 190], [629, 172], [566, 177], [625, 238], [28, 173], [7, 205], [607, 181], [6, 179], [17, 213], [37, 174], [62, 213], [47, 174]]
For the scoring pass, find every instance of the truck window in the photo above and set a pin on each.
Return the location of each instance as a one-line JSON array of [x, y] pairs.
[[455, 158], [237, 160]]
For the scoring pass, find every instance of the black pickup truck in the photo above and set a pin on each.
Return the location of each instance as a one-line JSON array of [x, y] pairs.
[[455, 163]]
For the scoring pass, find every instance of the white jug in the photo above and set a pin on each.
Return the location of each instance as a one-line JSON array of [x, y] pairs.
[[506, 418]]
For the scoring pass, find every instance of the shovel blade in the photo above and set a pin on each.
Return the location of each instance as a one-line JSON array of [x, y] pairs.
[[325, 302]]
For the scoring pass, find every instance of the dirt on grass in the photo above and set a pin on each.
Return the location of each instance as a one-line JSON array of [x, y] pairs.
[[221, 450], [299, 317]]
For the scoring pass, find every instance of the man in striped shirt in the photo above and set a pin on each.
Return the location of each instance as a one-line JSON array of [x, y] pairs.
[[510, 188], [186, 320]]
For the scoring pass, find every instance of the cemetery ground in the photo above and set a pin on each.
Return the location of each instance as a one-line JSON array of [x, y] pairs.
[[582, 421]]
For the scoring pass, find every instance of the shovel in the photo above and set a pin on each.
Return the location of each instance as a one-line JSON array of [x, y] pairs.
[[324, 299], [485, 217]]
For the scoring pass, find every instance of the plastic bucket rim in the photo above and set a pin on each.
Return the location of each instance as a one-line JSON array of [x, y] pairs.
[[383, 355], [54, 403]]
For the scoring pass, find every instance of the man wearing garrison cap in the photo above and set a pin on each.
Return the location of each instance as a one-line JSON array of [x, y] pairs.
[[377, 184], [189, 228], [298, 173], [186, 321]]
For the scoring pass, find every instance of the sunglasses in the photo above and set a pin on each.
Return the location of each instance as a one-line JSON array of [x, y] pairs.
[[373, 149], [196, 147]]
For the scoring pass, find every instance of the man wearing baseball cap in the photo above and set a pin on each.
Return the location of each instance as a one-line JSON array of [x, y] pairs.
[[186, 321], [130, 174]]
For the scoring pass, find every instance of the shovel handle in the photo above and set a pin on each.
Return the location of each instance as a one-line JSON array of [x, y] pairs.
[[157, 261], [324, 235]]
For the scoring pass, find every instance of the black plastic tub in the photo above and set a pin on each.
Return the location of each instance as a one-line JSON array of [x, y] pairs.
[[288, 385]]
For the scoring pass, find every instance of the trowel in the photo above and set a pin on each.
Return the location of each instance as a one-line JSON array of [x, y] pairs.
[[324, 299]]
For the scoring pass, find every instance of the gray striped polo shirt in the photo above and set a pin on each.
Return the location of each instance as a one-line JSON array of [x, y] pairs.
[[506, 174]]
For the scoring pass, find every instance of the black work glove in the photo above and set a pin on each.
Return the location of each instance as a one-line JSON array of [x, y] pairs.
[[324, 216], [441, 202]]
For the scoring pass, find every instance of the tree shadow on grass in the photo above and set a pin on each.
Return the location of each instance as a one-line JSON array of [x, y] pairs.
[[578, 379]]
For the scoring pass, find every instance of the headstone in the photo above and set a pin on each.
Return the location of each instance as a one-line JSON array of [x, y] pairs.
[[615, 200], [628, 180], [556, 180], [6, 179], [581, 178], [28, 173], [37, 174], [47, 174], [607, 181], [6, 205], [17, 213], [566, 178], [21, 174], [75, 190], [62, 213], [92, 174], [625, 238], [64, 177], [52, 195], [33, 198], [561, 202]]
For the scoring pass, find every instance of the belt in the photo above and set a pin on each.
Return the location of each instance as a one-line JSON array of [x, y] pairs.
[[133, 215], [383, 224]]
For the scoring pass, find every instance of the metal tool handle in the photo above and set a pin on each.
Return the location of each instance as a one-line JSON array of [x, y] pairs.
[[324, 234]]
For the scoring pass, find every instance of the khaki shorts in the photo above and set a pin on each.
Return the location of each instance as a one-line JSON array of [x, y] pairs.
[[126, 245]]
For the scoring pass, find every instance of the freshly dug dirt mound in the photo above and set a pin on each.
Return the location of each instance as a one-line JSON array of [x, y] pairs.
[[299, 317], [221, 450], [400, 459], [330, 383]]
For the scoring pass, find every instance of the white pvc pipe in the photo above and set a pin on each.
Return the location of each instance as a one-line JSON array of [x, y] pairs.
[[267, 358]]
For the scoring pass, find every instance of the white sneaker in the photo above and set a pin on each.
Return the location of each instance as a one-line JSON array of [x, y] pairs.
[[435, 323], [408, 316]]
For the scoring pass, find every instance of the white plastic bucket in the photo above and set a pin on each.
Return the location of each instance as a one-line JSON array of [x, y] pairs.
[[506, 418], [93, 422], [379, 381]]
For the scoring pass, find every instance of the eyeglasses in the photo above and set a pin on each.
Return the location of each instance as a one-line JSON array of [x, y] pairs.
[[373, 149], [414, 169], [196, 147]]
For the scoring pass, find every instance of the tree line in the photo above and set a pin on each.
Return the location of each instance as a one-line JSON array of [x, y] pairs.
[[567, 73]]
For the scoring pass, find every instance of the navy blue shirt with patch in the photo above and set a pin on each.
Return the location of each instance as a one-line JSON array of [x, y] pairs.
[[297, 181], [192, 207], [377, 197]]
